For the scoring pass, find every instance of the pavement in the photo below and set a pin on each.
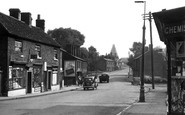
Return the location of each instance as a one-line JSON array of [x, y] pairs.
[[64, 89], [155, 103]]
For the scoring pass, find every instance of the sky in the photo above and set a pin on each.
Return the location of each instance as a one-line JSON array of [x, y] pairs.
[[102, 22]]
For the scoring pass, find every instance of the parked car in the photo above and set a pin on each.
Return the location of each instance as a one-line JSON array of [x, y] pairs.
[[90, 82], [104, 77]]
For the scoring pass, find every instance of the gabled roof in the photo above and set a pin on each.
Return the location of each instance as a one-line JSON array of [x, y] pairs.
[[20, 29]]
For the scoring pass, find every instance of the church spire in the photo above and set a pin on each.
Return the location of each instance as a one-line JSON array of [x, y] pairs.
[[113, 51]]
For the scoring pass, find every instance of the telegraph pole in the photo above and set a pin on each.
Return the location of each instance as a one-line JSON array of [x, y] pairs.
[[151, 43]]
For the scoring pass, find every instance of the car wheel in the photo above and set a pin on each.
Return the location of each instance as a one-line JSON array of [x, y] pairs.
[[84, 88]]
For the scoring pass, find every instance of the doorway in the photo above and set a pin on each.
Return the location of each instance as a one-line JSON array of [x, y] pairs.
[[29, 82], [49, 79]]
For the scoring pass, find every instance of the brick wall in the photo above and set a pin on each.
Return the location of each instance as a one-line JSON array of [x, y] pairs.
[[47, 53]]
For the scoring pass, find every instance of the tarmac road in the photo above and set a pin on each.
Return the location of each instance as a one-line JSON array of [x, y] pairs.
[[109, 99]]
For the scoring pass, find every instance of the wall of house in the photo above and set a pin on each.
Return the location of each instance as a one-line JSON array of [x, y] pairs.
[[159, 65], [23, 59], [101, 65]]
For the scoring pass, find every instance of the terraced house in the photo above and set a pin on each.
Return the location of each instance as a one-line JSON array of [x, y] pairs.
[[30, 59]]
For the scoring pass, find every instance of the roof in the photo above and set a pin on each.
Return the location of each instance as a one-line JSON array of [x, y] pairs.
[[71, 56], [141, 55], [167, 17], [108, 59], [20, 29]]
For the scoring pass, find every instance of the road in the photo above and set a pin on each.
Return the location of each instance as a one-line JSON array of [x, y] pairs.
[[109, 99]]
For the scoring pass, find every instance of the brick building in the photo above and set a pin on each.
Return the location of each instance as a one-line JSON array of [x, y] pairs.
[[105, 64], [30, 59], [159, 64]]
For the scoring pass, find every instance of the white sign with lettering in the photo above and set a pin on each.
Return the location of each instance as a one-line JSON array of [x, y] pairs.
[[180, 49]]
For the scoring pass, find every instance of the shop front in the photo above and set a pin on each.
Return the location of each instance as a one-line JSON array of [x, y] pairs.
[[171, 28], [16, 81]]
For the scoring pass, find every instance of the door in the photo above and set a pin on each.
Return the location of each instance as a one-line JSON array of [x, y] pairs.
[[29, 82], [49, 80]]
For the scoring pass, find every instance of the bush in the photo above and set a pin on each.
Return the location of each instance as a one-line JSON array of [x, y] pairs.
[[157, 79]]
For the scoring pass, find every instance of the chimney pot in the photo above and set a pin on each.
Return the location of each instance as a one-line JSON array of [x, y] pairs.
[[40, 22], [15, 12], [38, 16]]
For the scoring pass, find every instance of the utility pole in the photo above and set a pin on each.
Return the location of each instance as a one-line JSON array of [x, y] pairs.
[[151, 43]]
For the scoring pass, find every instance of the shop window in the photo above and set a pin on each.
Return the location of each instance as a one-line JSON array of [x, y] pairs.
[[16, 78], [54, 78], [55, 54], [36, 77], [38, 51], [18, 46]]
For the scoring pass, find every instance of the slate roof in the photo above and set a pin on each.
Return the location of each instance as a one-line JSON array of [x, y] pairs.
[[20, 29]]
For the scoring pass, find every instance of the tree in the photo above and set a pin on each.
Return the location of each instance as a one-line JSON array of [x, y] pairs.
[[84, 53], [92, 59], [66, 36], [136, 51]]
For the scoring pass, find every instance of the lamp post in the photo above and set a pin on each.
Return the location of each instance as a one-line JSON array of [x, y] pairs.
[[142, 90]]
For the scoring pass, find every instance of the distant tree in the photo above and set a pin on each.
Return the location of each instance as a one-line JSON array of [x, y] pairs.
[[92, 59], [110, 56], [136, 51], [130, 61], [84, 53], [66, 36]]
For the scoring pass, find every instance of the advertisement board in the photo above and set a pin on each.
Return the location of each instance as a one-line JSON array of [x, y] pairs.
[[69, 68]]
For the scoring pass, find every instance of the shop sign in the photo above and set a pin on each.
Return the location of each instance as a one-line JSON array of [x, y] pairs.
[[174, 29], [37, 89]]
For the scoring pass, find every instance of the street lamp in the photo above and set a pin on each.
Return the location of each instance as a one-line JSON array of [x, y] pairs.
[[142, 90]]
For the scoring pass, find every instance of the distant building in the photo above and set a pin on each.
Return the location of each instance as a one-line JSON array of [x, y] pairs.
[[122, 63], [159, 64], [105, 64]]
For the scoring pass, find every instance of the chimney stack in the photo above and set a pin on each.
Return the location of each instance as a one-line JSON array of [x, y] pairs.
[[26, 17], [15, 12], [40, 23]]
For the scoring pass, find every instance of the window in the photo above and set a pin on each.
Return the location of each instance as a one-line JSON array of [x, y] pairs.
[[38, 51], [55, 54], [16, 77], [18, 46], [36, 76]]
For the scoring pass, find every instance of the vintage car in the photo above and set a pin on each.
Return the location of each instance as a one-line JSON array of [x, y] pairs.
[[104, 77], [90, 82]]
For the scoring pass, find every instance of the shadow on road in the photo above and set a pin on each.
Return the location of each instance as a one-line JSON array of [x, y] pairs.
[[119, 78]]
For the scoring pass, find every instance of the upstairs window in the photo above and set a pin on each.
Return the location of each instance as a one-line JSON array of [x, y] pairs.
[[18, 46], [55, 54], [38, 51]]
